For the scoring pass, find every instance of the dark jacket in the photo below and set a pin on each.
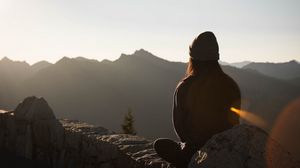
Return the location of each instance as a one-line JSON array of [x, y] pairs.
[[202, 106]]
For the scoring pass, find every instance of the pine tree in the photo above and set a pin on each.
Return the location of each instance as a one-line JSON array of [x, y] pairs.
[[127, 125]]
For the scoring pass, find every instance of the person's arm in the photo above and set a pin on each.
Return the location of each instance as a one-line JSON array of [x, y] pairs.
[[179, 114]]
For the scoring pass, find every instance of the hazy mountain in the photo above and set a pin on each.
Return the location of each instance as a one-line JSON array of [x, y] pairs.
[[40, 65], [223, 63], [101, 92], [12, 74], [263, 95], [286, 70], [15, 70], [240, 64], [236, 64]]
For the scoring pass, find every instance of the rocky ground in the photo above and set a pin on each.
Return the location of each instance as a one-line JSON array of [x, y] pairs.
[[32, 132], [31, 136]]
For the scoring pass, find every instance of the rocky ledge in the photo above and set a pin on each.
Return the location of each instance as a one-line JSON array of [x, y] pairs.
[[31, 136]]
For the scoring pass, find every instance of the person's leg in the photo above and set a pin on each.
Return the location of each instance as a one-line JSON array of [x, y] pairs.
[[187, 152], [170, 151]]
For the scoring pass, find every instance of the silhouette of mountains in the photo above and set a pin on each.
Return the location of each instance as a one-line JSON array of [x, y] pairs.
[[286, 70], [236, 64], [101, 92]]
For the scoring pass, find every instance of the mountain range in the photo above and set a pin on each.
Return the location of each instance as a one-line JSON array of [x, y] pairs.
[[287, 70], [101, 92]]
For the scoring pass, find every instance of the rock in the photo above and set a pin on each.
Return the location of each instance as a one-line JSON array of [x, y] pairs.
[[33, 108], [32, 133], [243, 146]]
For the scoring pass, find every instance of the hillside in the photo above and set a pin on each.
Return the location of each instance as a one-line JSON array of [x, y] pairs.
[[286, 70], [236, 64], [101, 92]]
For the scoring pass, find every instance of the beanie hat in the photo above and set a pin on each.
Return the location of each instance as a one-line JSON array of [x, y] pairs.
[[205, 47]]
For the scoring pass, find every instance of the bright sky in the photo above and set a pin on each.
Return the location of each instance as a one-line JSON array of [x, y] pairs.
[[256, 30]]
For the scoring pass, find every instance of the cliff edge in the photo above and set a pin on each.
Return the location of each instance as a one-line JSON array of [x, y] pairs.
[[31, 136]]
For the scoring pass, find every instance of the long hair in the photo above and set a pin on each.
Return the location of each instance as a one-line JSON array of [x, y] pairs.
[[196, 67]]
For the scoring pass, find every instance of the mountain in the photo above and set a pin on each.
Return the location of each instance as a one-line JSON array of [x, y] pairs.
[[262, 95], [223, 63], [40, 65], [295, 81], [286, 70], [15, 70], [240, 64], [12, 74], [236, 64], [101, 92]]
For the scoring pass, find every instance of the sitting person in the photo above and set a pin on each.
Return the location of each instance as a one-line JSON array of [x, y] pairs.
[[202, 103]]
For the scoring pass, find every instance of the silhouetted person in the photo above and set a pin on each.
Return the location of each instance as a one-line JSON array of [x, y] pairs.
[[202, 103]]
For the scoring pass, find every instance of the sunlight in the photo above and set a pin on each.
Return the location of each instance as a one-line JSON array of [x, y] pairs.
[[2, 111], [201, 156], [249, 117]]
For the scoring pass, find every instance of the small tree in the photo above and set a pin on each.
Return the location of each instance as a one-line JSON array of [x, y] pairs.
[[127, 125]]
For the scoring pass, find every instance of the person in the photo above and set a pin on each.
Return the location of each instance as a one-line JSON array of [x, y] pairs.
[[202, 103]]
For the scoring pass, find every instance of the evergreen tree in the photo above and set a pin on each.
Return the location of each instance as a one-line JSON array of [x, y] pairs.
[[127, 125]]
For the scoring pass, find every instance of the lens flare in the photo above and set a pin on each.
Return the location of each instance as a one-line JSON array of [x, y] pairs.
[[286, 132], [250, 117]]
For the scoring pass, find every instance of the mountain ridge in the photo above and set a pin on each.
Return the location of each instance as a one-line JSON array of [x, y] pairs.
[[144, 54], [285, 70], [101, 92]]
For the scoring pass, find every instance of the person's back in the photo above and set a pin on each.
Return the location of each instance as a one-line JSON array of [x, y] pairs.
[[202, 103], [205, 100]]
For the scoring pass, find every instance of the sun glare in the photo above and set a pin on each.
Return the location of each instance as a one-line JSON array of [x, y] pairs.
[[250, 117]]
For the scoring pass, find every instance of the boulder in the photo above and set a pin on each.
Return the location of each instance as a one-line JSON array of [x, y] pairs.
[[33, 108], [240, 147], [32, 131]]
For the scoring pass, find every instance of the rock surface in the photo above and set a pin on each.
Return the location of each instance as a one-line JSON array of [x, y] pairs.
[[243, 146], [32, 133], [31, 136]]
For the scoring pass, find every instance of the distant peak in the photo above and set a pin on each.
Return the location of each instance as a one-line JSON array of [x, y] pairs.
[[141, 55], [106, 61], [80, 58], [6, 59], [63, 59], [293, 62], [40, 65], [41, 62], [142, 52]]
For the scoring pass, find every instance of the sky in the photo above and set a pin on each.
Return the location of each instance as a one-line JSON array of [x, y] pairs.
[[256, 30]]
